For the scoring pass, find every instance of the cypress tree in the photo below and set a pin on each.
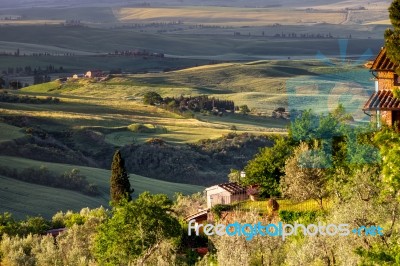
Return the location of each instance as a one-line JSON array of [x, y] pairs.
[[392, 36], [120, 185]]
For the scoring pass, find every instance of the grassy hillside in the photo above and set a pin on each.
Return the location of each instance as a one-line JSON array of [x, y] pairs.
[[22, 198], [8, 132], [228, 16], [99, 40], [263, 85], [97, 114]]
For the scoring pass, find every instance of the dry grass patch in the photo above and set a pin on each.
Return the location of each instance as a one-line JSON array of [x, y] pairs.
[[228, 16]]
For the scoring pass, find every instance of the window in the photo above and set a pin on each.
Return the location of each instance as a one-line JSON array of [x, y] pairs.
[[396, 80]]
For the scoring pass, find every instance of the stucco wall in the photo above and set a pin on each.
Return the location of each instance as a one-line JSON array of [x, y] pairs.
[[386, 80]]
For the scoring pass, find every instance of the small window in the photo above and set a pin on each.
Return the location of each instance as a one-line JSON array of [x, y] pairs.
[[396, 80]]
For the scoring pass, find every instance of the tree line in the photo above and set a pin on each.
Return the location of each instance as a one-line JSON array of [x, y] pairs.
[[29, 70], [12, 98], [71, 180], [191, 103]]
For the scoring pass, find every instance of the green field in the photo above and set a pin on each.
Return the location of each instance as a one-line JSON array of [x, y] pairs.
[[207, 46], [263, 85], [23, 198], [8, 132]]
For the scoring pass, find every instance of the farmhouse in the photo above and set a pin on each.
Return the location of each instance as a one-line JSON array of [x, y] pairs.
[[382, 105], [94, 73], [77, 76], [226, 193]]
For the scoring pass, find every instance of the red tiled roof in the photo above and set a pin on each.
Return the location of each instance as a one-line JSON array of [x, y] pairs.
[[383, 63], [233, 187], [382, 100], [197, 215], [56, 232]]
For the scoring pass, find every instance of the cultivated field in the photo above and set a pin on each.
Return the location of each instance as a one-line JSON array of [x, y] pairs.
[[23, 198], [263, 85], [228, 16]]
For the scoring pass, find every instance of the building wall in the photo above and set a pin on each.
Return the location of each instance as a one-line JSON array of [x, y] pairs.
[[386, 117], [220, 198], [386, 80], [214, 196], [239, 197]]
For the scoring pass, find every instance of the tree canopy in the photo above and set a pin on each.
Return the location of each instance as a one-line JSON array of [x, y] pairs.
[[392, 36], [136, 229], [120, 185]]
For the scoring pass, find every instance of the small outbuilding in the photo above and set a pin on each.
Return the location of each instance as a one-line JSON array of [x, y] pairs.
[[94, 73], [226, 193]]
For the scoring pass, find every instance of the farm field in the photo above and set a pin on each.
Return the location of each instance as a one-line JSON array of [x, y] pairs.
[[265, 58], [263, 85], [228, 16], [23, 198]]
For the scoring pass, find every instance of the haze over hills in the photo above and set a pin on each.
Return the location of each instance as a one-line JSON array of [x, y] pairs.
[[237, 3]]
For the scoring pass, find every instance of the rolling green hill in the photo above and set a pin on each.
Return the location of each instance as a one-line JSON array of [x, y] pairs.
[[208, 46], [23, 198], [263, 85]]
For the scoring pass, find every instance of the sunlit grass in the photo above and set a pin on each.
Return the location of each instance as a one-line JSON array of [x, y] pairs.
[[228, 16], [285, 205]]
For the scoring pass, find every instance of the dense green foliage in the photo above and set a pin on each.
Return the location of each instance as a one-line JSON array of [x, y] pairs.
[[120, 185], [305, 175], [216, 210], [392, 36], [135, 230], [152, 98], [244, 109], [267, 167]]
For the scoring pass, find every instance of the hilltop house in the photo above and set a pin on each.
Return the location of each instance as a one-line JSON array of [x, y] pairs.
[[226, 193], [94, 74], [382, 105], [77, 76]]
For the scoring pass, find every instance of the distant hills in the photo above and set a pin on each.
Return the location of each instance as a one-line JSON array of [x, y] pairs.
[[238, 3]]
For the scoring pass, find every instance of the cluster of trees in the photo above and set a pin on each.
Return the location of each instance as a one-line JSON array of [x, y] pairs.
[[392, 36], [72, 180], [13, 98], [304, 35], [29, 70], [321, 142], [137, 53], [326, 159], [13, 84], [195, 103], [150, 230], [144, 231]]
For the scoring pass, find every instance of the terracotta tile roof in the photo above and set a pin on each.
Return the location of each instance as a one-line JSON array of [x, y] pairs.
[[383, 63], [233, 188], [382, 100], [200, 214]]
